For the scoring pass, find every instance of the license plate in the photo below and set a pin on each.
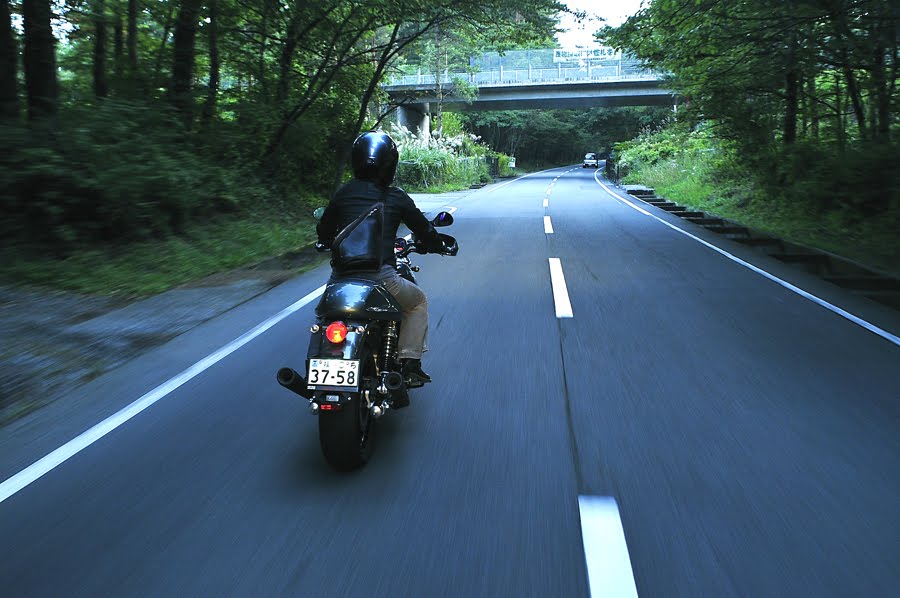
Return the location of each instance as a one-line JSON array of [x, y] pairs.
[[326, 374]]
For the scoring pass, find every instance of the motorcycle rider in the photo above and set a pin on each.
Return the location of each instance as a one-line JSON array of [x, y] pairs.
[[374, 160]]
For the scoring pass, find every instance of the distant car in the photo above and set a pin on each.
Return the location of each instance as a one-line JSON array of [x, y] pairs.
[[590, 160]]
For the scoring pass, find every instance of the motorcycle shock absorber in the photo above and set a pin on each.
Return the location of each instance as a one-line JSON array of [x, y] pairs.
[[390, 346], [390, 380]]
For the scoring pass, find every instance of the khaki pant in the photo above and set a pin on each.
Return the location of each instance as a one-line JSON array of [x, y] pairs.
[[414, 329]]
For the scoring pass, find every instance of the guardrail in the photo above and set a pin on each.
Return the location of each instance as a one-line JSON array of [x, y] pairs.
[[532, 76]]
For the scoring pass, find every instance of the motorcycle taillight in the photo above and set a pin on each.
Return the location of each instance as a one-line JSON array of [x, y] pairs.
[[336, 332]]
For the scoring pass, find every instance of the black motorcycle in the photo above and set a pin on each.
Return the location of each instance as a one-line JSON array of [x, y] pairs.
[[353, 372]]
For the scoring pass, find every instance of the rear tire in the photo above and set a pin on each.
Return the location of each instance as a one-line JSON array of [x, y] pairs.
[[347, 437]]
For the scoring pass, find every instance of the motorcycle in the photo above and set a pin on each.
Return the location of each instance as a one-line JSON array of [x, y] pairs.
[[353, 374]]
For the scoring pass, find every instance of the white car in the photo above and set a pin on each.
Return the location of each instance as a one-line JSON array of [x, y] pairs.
[[590, 160]]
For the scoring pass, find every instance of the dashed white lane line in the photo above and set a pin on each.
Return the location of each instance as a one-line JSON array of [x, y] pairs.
[[560, 292], [548, 226], [546, 202], [89, 437], [605, 551], [891, 338]]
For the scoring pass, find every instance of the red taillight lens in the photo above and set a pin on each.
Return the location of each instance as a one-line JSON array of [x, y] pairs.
[[336, 332]]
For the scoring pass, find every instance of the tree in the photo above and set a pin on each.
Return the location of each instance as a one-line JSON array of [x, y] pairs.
[[9, 100], [40, 60], [183, 62], [212, 93], [132, 40], [744, 64], [101, 87]]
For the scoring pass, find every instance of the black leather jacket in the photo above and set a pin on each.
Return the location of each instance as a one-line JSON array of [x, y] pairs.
[[357, 196]]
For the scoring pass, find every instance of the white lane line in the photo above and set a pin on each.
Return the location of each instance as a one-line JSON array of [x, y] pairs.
[[605, 551], [89, 437], [546, 202], [560, 292], [548, 226], [891, 338]]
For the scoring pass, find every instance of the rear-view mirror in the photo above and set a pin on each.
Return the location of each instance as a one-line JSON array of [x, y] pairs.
[[317, 213], [443, 219]]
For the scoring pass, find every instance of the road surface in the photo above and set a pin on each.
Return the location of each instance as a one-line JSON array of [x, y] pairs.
[[617, 408]]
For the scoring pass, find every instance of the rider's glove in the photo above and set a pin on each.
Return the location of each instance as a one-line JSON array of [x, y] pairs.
[[451, 249]]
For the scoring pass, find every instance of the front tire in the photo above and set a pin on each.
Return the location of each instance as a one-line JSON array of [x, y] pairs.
[[347, 437]]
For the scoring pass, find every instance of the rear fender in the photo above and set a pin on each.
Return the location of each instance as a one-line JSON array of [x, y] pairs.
[[353, 347]]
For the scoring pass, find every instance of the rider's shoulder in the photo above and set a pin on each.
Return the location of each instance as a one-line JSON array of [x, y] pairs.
[[399, 193]]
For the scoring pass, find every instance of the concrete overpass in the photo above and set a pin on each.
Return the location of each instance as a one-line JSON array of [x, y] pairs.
[[532, 82]]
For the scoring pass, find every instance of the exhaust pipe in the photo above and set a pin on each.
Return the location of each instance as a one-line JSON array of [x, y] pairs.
[[393, 380], [294, 382]]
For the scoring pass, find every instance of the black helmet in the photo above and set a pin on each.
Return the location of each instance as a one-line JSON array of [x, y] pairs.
[[375, 158]]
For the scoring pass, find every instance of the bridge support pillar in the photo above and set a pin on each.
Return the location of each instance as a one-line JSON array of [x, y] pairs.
[[416, 118]]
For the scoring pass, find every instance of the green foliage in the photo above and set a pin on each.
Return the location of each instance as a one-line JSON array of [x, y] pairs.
[[503, 165], [554, 137], [152, 266], [841, 203], [773, 71], [126, 172], [439, 164]]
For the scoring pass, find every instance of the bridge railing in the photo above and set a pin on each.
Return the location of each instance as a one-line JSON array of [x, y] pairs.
[[532, 75]]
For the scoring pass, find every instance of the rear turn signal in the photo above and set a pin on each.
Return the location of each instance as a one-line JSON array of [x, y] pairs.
[[336, 332]]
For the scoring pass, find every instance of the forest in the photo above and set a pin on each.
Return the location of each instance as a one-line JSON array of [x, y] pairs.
[[130, 127], [787, 119], [146, 142]]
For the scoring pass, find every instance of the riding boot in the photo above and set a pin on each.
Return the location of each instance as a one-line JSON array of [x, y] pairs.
[[413, 373]]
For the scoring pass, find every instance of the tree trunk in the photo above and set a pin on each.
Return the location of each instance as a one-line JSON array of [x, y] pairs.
[[39, 60], [318, 81], [881, 125], [263, 42], [118, 49], [854, 95], [294, 34], [813, 107], [386, 56], [167, 27], [183, 63], [792, 89], [101, 86], [212, 93], [9, 56], [839, 114], [132, 39]]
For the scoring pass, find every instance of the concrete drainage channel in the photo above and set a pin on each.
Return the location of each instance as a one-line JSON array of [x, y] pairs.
[[836, 270]]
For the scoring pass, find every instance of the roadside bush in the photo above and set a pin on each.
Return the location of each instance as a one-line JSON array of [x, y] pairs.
[[125, 172], [439, 163], [845, 202]]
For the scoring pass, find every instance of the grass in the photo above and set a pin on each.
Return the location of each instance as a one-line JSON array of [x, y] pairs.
[[873, 242], [146, 268]]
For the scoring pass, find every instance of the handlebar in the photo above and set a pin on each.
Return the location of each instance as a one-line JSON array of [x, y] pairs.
[[451, 247]]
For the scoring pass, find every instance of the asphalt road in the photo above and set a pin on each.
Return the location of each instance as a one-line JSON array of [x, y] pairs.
[[748, 435]]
